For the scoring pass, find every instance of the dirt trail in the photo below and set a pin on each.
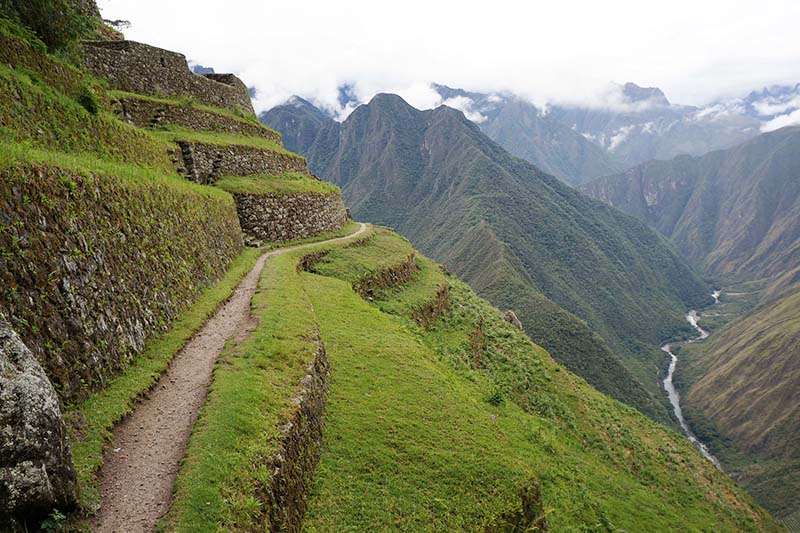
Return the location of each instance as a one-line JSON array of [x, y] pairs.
[[142, 460]]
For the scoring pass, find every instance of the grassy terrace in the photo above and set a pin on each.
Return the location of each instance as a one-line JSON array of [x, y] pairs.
[[421, 433], [288, 183], [21, 49], [38, 115], [366, 258], [194, 104], [236, 433], [225, 139], [226, 464], [421, 437], [89, 164]]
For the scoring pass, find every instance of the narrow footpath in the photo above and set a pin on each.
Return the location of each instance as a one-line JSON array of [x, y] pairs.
[[143, 457]]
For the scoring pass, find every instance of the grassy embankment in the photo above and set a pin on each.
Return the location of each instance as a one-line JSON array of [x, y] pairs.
[[434, 428]]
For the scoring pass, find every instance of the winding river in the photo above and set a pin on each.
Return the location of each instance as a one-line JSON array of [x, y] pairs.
[[669, 386]]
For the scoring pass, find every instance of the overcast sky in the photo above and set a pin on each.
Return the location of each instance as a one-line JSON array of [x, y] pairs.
[[563, 50]]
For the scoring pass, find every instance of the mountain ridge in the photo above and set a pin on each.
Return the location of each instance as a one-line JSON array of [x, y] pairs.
[[733, 210], [426, 173]]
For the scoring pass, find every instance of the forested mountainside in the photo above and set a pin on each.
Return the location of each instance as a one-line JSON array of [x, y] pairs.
[[532, 134], [519, 237], [735, 210]]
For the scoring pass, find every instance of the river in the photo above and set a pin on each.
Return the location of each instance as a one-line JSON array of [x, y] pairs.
[[674, 398]]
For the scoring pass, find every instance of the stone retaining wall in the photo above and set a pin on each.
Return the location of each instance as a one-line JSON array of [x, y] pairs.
[[140, 68], [386, 278], [431, 310], [281, 218], [299, 448], [92, 266], [204, 163], [151, 114]]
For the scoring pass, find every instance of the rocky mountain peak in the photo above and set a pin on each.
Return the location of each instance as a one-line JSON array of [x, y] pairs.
[[635, 93]]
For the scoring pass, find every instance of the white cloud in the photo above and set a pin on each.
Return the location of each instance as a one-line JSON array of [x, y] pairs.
[[466, 106], [563, 51], [775, 106], [619, 136], [792, 119]]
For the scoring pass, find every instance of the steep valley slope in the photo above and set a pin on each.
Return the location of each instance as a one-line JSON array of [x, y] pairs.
[[736, 213], [735, 210], [596, 288]]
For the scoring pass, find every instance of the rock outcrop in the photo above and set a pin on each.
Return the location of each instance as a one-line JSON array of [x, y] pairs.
[[36, 472], [511, 318]]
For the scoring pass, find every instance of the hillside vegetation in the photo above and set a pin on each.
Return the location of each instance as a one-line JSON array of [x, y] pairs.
[[743, 399], [735, 210], [596, 288], [365, 388], [110, 260], [462, 424]]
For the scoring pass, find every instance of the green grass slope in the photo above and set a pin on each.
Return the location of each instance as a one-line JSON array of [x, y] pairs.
[[430, 428], [421, 437]]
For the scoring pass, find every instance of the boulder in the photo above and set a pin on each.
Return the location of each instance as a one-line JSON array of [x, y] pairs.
[[36, 471], [511, 317]]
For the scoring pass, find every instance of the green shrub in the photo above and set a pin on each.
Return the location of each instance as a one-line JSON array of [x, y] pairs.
[[56, 22], [88, 100]]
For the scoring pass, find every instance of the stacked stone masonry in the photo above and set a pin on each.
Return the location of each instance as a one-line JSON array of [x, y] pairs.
[[281, 218], [140, 68], [205, 163], [97, 265], [298, 449], [152, 114]]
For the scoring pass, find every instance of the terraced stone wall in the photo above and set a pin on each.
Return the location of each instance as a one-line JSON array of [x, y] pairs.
[[152, 114], [92, 266], [140, 68], [281, 218], [204, 163]]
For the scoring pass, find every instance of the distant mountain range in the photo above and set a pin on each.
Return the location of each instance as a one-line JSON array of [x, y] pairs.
[[644, 125], [597, 288], [734, 210], [526, 132], [577, 143]]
